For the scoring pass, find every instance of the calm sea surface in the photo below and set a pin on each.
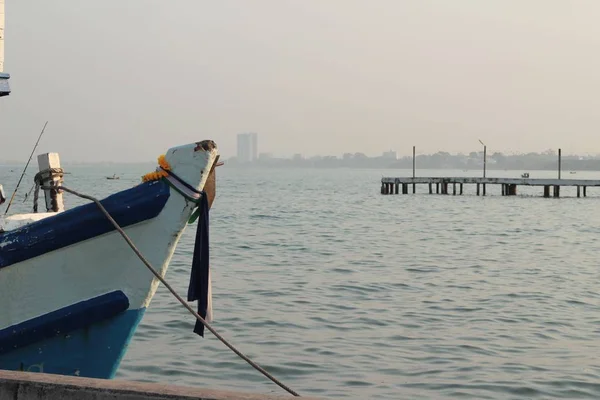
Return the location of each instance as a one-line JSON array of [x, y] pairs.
[[342, 292]]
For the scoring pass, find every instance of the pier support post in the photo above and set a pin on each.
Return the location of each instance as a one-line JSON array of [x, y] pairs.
[[51, 162], [503, 189], [585, 191], [414, 188], [437, 188], [382, 188], [478, 189], [396, 187], [461, 189], [430, 188], [578, 191], [546, 191], [405, 188], [483, 188], [454, 189], [556, 191], [512, 190]]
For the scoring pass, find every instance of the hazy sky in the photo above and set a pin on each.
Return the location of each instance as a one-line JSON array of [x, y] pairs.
[[127, 79]]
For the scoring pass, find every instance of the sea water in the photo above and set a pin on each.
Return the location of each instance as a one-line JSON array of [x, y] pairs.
[[341, 292]]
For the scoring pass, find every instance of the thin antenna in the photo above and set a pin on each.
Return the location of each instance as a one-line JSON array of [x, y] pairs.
[[24, 170]]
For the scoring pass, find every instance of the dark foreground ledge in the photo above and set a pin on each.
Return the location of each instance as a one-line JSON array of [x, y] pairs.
[[37, 386]]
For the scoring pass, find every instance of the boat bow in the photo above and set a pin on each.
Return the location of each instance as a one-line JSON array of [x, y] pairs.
[[74, 263]]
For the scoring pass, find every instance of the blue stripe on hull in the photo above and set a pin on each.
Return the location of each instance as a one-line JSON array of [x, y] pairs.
[[128, 207], [94, 351], [64, 320]]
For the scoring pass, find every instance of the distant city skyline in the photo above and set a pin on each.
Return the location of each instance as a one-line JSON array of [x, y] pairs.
[[389, 153], [546, 160]]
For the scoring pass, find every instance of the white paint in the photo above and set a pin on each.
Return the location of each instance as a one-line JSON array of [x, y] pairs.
[[1, 35], [105, 263], [18, 220], [47, 161]]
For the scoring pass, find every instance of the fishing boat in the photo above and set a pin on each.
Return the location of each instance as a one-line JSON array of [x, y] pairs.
[[72, 290], [525, 175], [112, 177]]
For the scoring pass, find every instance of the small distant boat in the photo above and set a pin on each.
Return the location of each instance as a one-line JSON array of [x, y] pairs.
[[113, 177], [525, 175], [572, 172]]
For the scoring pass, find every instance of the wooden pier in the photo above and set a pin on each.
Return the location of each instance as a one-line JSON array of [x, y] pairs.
[[392, 185]]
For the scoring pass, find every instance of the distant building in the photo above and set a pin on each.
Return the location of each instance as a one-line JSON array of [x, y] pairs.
[[390, 155], [247, 147]]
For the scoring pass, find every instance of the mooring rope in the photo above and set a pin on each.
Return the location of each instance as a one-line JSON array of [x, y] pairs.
[[170, 288], [39, 178]]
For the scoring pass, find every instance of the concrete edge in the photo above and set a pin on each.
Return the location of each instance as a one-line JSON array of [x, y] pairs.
[[65, 387]]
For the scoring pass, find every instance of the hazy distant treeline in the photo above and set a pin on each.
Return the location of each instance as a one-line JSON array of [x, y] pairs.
[[440, 160]]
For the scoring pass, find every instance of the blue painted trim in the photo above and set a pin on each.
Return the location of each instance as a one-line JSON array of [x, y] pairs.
[[128, 207], [4, 86], [94, 351], [63, 321]]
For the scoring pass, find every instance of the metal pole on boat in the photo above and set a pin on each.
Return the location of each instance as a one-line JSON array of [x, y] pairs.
[[4, 77], [25, 169], [1, 36]]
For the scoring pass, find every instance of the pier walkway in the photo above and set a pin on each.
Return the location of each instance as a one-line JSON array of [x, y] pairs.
[[400, 185]]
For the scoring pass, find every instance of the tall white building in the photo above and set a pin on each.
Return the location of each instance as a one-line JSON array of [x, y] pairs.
[[392, 155], [247, 147]]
